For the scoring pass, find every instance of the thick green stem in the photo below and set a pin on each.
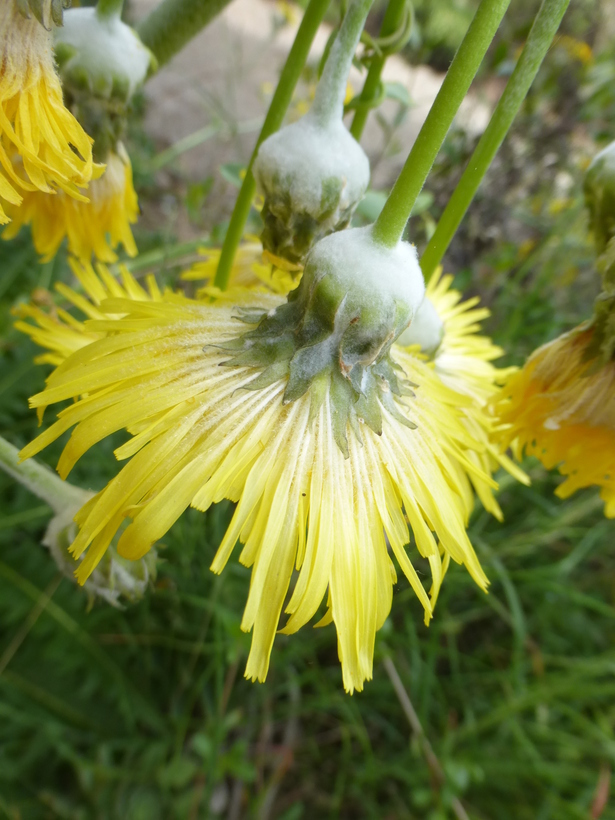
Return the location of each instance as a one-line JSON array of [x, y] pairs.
[[174, 23], [109, 8], [392, 20], [389, 226], [281, 100], [38, 478], [543, 31], [328, 102]]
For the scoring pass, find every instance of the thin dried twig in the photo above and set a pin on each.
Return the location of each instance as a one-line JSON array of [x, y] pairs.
[[436, 770]]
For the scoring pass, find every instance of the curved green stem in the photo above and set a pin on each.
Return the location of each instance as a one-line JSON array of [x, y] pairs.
[[328, 102], [281, 100], [544, 29], [391, 22], [389, 226], [38, 478], [174, 23], [109, 8]]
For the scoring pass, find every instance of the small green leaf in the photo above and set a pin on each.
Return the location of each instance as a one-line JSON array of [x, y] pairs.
[[233, 172]]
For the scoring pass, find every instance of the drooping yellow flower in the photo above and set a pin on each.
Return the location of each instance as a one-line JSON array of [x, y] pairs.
[[202, 432], [95, 227], [561, 409], [42, 146], [464, 363]]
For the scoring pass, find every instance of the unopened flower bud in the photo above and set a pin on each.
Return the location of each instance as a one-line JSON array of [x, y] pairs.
[[99, 54], [313, 173], [426, 330], [312, 177]]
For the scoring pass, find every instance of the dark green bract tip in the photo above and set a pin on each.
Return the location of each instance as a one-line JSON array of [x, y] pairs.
[[47, 12]]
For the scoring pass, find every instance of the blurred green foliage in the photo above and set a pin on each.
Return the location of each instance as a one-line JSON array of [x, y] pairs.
[[143, 714]]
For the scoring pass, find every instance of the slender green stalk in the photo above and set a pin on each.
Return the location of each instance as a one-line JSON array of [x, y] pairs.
[[389, 226], [544, 29], [38, 478], [281, 99], [109, 8], [328, 102], [392, 20], [174, 23]]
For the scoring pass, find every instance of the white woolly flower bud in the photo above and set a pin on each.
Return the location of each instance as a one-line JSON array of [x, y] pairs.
[[426, 330], [313, 173], [101, 55], [312, 177]]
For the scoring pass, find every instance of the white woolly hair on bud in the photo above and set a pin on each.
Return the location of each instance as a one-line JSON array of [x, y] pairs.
[[302, 157], [425, 330], [106, 50]]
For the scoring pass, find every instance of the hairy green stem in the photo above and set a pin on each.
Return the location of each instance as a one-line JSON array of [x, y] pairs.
[[389, 226], [38, 478], [109, 8], [289, 77], [390, 23], [543, 31], [171, 25], [328, 102]]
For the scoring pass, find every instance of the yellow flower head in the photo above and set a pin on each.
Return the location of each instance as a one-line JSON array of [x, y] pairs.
[[464, 363], [561, 409], [95, 227], [53, 149], [204, 426]]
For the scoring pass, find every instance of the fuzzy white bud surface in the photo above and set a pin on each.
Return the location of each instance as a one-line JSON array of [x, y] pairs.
[[426, 330], [101, 55]]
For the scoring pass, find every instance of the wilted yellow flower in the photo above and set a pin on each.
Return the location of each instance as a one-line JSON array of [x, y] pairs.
[[202, 432], [53, 150], [561, 408], [93, 227]]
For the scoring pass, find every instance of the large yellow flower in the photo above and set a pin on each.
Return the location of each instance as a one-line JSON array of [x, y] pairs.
[[96, 226], [561, 409], [464, 363], [53, 150], [201, 432], [463, 360]]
